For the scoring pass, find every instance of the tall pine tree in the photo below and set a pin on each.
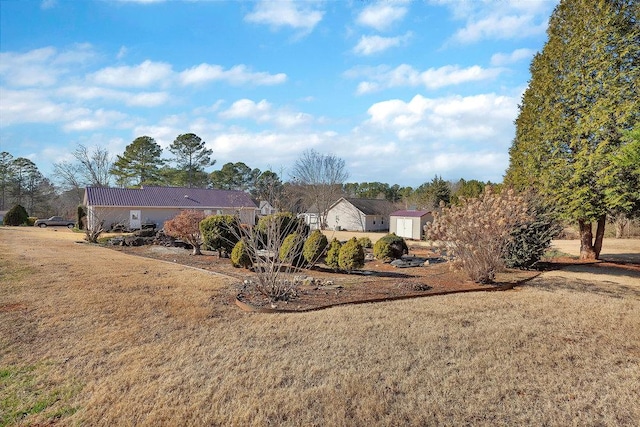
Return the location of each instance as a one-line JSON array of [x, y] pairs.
[[191, 157], [582, 98], [140, 164]]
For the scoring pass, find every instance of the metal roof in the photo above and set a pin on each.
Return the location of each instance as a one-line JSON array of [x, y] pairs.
[[410, 213], [173, 197]]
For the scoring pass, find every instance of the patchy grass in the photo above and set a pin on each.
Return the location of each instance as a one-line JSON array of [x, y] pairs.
[[26, 392], [158, 344]]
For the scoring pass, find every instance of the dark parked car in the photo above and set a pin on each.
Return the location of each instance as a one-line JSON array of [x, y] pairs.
[[53, 222]]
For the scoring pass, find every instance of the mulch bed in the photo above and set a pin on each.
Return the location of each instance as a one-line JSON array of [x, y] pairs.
[[377, 281]]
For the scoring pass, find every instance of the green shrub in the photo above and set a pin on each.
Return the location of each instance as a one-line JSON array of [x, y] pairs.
[[365, 242], [291, 250], [351, 256], [332, 254], [82, 213], [530, 240], [390, 247], [314, 247], [240, 255], [220, 233], [17, 215], [31, 221]]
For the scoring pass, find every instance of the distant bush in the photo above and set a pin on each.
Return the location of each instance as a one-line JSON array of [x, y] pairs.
[[240, 255], [332, 254], [17, 215], [351, 255], [314, 247], [31, 221], [81, 214], [390, 247], [365, 242], [529, 240], [291, 250], [220, 233]]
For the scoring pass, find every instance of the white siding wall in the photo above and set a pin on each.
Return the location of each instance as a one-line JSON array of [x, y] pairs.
[[346, 217]]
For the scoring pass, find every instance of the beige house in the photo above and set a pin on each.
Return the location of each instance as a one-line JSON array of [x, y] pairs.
[[354, 214]]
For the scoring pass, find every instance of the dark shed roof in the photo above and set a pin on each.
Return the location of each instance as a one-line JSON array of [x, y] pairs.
[[174, 197], [410, 213]]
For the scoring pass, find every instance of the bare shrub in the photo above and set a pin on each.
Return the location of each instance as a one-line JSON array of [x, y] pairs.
[[478, 231], [275, 275], [186, 226]]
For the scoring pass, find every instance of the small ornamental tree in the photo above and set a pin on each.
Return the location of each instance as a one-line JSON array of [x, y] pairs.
[[390, 247], [333, 253], [240, 255], [365, 242], [186, 226], [351, 256], [314, 247], [220, 233], [479, 230], [17, 215]]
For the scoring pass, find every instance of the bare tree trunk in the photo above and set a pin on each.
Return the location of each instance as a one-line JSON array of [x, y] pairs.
[[597, 246], [586, 240], [621, 223], [196, 250]]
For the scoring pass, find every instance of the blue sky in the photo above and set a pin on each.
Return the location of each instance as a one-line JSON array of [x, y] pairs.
[[401, 90]]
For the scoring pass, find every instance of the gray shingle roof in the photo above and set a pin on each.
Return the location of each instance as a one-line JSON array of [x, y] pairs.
[[174, 197], [372, 206]]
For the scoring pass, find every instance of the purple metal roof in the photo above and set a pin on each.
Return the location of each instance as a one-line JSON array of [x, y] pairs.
[[410, 213], [173, 197]]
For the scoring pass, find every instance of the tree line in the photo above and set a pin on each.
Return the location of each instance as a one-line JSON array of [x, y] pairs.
[[317, 179]]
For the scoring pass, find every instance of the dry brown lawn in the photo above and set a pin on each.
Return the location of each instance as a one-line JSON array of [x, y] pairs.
[[92, 336]]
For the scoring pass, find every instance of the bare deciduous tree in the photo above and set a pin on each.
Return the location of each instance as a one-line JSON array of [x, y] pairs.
[[322, 176]]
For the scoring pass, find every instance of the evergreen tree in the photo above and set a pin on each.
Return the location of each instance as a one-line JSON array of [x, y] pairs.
[[191, 156], [582, 98], [140, 164]]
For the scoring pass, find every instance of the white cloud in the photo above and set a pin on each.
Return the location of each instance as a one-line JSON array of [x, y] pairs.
[[146, 74], [477, 117], [44, 66], [507, 19], [381, 16], [48, 4], [499, 27], [380, 78], [32, 106], [369, 45], [137, 99], [286, 13], [96, 120], [501, 59], [237, 75], [264, 112]]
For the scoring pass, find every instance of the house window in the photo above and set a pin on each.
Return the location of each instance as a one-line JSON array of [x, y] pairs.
[[382, 221], [374, 222]]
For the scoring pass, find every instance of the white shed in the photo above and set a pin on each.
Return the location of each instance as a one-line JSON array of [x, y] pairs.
[[409, 223]]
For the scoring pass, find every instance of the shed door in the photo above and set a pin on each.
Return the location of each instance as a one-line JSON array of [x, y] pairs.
[[404, 227], [134, 220]]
